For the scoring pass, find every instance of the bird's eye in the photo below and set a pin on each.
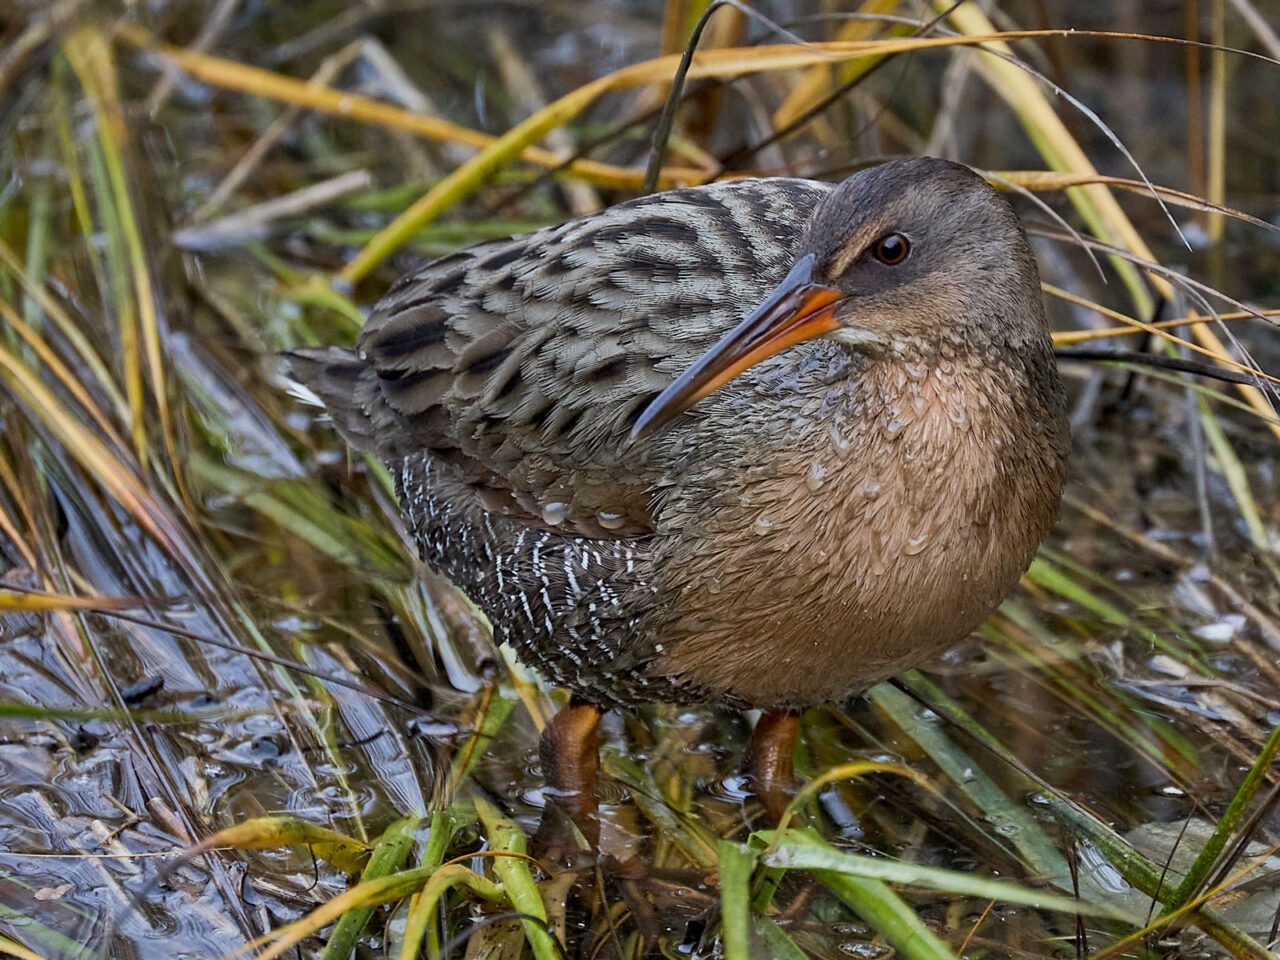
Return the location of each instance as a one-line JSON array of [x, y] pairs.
[[891, 249]]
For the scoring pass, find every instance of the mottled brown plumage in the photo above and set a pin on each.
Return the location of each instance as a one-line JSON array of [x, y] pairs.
[[842, 509]]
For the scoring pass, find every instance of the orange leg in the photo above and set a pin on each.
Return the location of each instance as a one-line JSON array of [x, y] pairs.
[[570, 753], [769, 762]]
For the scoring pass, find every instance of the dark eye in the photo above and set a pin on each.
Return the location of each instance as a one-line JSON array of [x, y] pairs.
[[891, 249]]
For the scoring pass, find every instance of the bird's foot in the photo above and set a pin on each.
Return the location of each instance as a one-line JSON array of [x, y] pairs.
[[570, 753], [768, 765], [561, 841]]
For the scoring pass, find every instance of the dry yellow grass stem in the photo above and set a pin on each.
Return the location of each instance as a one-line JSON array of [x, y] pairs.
[[1066, 337], [230, 75]]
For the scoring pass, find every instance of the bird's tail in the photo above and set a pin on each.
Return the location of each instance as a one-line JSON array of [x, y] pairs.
[[344, 385]]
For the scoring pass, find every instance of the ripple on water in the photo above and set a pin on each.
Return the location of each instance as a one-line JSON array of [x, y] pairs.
[[734, 788], [865, 949]]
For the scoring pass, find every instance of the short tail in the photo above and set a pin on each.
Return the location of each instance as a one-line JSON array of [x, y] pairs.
[[344, 385]]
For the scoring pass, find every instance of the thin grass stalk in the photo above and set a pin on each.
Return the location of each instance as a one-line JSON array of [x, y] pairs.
[[116, 293], [11, 948], [39, 601], [1040, 180], [27, 543], [73, 384], [1140, 361], [71, 158], [421, 910], [662, 132], [113, 475], [1234, 473], [1021, 91], [90, 55], [432, 882], [39, 214], [817, 82], [1216, 182], [1195, 106], [9, 528], [1205, 860]]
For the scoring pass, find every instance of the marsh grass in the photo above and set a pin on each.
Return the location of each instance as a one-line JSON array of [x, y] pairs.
[[236, 720]]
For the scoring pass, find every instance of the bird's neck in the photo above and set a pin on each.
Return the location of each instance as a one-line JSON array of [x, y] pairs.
[[813, 435]]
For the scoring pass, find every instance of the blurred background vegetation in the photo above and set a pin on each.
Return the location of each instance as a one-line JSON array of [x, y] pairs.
[[211, 632]]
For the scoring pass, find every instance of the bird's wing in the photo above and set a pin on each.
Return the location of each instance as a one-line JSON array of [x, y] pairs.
[[524, 362]]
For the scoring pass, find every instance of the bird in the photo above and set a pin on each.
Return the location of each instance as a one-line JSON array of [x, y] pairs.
[[763, 442]]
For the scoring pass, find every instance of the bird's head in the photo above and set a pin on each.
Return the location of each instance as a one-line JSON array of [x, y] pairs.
[[912, 258]]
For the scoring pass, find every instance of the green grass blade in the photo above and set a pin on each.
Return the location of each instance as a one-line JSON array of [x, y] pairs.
[[812, 855], [54, 944], [1136, 869], [1198, 875], [422, 908], [887, 913], [736, 864], [1021, 829], [517, 880], [388, 857], [780, 944], [1147, 876]]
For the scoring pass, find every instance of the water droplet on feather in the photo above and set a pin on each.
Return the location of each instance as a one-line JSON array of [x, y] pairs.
[[838, 439], [815, 477], [609, 520], [915, 544]]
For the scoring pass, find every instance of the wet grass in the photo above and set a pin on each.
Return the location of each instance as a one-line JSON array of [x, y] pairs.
[[235, 719]]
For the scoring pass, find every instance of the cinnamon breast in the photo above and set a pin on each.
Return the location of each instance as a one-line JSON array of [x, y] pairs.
[[868, 545]]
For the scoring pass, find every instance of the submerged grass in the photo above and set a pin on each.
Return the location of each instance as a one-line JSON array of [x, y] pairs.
[[363, 780]]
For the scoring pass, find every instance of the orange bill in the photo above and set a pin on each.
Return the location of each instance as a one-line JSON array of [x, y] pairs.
[[797, 310]]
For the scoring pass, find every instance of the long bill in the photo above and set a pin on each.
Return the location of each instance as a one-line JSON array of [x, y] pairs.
[[797, 310]]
